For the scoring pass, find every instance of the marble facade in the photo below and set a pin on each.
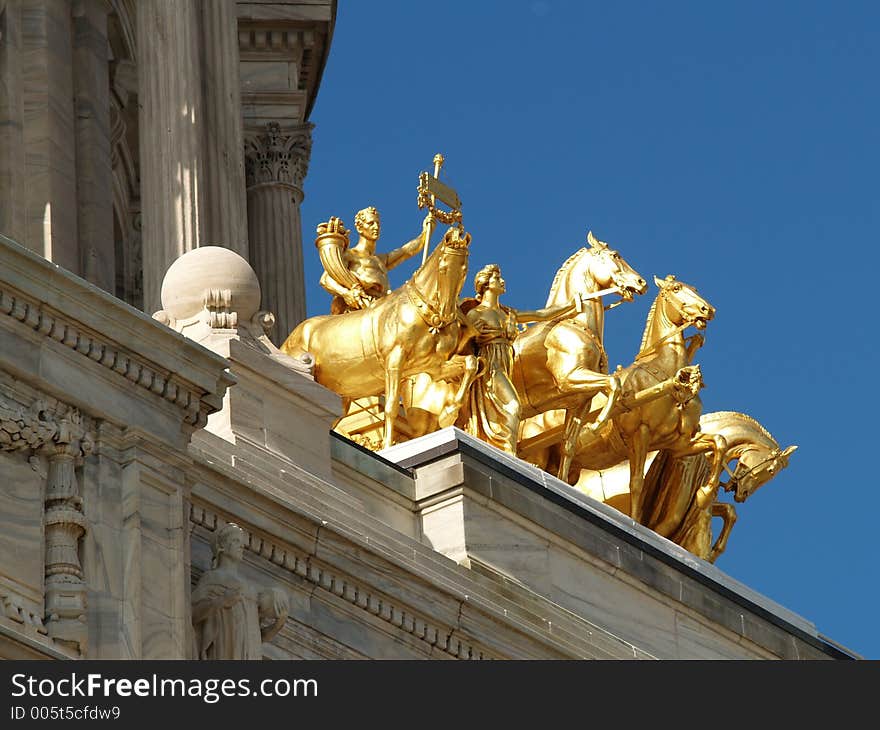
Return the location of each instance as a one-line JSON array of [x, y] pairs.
[[127, 440]]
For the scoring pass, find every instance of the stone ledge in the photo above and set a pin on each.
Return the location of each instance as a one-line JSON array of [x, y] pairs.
[[373, 466], [281, 10], [16, 645], [499, 478], [316, 524], [68, 311]]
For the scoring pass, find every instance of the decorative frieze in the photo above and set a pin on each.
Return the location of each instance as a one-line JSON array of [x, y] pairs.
[[105, 353], [12, 608], [273, 40], [443, 638]]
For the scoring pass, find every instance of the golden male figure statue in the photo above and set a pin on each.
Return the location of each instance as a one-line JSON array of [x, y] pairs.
[[493, 411], [357, 276]]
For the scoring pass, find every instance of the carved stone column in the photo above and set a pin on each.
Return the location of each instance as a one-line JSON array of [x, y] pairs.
[[59, 435], [13, 197], [126, 187], [49, 131], [171, 126], [276, 162], [94, 170], [65, 526], [225, 221]]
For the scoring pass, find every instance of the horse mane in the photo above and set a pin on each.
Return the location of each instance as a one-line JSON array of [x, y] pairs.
[[562, 273], [649, 321], [715, 415], [435, 254]]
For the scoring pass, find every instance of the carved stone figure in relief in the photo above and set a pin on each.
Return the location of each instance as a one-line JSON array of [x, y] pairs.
[[231, 619]]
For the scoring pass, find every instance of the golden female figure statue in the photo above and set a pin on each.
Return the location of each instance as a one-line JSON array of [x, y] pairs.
[[358, 276], [493, 411], [558, 364]]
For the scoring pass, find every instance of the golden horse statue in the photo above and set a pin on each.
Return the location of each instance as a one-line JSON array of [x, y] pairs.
[[562, 363], [556, 364], [661, 423], [416, 328], [677, 502]]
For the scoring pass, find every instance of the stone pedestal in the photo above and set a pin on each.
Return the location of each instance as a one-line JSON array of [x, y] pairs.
[[212, 297], [277, 162]]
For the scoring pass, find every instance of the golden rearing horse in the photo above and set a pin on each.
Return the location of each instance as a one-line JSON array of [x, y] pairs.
[[662, 423], [562, 364], [414, 329], [556, 364], [679, 501]]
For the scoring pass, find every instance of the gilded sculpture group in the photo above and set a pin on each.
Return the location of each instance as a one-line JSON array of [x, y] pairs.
[[533, 383]]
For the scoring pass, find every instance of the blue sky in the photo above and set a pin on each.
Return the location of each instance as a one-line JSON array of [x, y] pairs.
[[734, 145]]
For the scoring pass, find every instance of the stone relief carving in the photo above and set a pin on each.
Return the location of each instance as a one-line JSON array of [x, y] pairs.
[[12, 608], [230, 617], [56, 433], [442, 636], [278, 156]]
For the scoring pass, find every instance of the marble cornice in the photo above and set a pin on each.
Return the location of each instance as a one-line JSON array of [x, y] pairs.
[[297, 31], [54, 304], [324, 530]]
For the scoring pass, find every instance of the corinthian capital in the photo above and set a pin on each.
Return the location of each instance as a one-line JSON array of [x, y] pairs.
[[276, 155]]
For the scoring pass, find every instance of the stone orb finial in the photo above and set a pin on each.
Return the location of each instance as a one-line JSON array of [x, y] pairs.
[[205, 269]]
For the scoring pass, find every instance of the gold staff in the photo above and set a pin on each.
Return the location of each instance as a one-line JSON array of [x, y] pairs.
[[431, 190], [438, 163]]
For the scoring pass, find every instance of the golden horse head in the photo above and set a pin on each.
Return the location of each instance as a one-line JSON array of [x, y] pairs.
[[608, 269], [595, 268], [687, 305], [756, 467], [445, 276]]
